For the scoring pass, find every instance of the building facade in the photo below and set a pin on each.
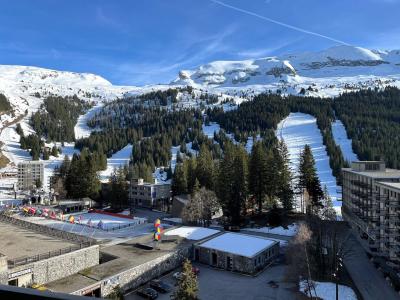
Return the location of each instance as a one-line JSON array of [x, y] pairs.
[[371, 195], [30, 174], [149, 195], [237, 252]]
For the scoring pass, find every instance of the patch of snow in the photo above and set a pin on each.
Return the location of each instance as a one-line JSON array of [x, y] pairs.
[[290, 231], [192, 233], [237, 243], [327, 291], [173, 220]]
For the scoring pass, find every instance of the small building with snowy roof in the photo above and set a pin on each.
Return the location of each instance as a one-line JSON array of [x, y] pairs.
[[236, 252]]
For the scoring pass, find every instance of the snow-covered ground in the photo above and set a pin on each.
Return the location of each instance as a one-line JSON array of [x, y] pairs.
[[118, 159], [299, 129], [209, 130], [109, 222], [81, 129], [237, 243], [341, 139], [192, 233], [290, 231], [327, 291]]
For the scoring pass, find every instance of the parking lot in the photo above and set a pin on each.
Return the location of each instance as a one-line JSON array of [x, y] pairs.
[[221, 284]]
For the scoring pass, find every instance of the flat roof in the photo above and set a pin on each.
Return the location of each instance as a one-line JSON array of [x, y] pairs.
[[395, 185], [192, 233], [389, 173], [240, 244], [17, 242]]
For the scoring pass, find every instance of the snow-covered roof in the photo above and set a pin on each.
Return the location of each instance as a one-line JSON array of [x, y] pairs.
[[192, 233], [239, 244]]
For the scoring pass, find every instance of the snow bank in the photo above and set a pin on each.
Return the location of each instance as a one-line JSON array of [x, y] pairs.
[[192, 233], [327, 291], [240, 244], [290, 231]]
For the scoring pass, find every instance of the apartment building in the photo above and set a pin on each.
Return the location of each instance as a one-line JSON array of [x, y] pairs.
[[30, 173], [149, 195], [371, 195]]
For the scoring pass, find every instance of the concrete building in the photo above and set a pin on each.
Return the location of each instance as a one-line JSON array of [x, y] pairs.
[[149, 195], [29, 173], [371, 195], [237, 252]]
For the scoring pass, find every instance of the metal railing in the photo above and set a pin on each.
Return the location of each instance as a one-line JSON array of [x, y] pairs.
[[19, 261]]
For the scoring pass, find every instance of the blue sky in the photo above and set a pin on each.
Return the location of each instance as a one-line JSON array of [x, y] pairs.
[[136, 42]]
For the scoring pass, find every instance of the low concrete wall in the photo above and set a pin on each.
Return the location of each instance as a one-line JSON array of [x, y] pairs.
[[61, 266], [139, 275], [3, 269]]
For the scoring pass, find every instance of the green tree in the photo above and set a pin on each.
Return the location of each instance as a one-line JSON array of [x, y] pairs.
[[258, 174], [205, 167], [179, 182], [285, 191], [232, 183], [187, 285], [309, 181]]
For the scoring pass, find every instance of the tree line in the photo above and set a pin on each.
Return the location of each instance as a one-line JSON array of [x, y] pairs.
[[57, 117]]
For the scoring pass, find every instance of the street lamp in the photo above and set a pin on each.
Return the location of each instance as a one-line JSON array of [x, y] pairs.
[[338, 267]]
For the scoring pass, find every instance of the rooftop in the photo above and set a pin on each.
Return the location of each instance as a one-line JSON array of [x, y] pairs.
[[127, 255], [16, 242], [395, 185], [192, 233], [240, 244], [388, 173]]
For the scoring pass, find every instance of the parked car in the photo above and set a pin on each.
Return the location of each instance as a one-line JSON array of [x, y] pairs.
[[160, 286], [147, 293], [195, 270]]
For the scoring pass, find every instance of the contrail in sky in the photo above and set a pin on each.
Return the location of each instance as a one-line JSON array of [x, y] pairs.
[[247, 12]]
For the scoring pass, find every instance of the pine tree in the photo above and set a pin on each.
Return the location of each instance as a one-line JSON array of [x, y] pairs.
[[328, 212], [309, 181], [190, 168], [258, 174], [179, 182], [232, 183], [285, 191], [205, 168], [187, 286]]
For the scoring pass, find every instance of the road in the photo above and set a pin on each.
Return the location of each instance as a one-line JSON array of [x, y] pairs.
[[369, 281], [217, 284]]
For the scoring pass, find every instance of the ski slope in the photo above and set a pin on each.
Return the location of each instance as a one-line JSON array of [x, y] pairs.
[[299, 129], [341, 139], [118, 159]]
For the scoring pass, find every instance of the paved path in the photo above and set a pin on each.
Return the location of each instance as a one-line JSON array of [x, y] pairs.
[[369, 281]]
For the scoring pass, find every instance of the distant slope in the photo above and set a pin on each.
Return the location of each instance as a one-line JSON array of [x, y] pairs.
[[325, 73]]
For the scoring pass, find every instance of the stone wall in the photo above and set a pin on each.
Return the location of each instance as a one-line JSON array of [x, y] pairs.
[[139, 275], [63, 265]]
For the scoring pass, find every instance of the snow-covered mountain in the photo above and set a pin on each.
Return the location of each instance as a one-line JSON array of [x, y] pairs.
[[324, 73], [25, 87]]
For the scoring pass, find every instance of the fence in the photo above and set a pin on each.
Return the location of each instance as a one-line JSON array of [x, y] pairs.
[[69, 236], [12, 263]]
